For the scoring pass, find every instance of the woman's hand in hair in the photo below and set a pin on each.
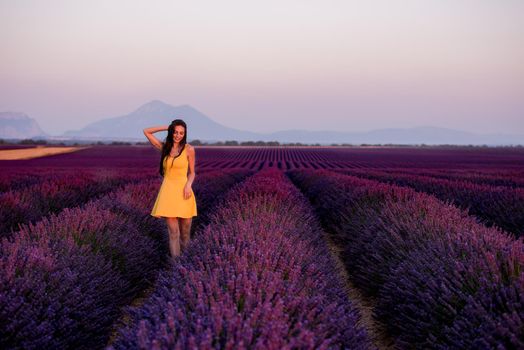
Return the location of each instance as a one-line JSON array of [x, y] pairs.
[[154, 129], [148, 132]]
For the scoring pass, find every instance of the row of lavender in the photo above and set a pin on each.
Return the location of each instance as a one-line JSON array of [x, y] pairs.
[[432, 157], [259, 276], [35, 195], [498, 177], [440, 279], [494, 205], [64, 279], [14, 178]]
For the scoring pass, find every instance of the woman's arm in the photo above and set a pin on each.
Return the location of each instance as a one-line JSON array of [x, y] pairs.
[[149, 134], [191, 176]]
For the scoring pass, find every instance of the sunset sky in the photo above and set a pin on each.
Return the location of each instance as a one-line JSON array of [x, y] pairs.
[[268, 65]]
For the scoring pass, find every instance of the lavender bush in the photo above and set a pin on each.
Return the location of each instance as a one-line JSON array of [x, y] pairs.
[[494, 205], [260, 275], [103, 253], [435, 272], [499, 177], [117, 237], [55, 294], [54, 194]]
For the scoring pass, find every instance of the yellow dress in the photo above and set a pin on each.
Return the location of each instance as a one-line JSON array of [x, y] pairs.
[[170, 201]]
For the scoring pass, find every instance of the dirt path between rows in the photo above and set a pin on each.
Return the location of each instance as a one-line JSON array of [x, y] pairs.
[[365, 305]]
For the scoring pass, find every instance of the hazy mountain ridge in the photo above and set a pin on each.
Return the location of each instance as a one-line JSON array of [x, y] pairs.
[[203, 128], [418, 135], [16, 125], [129, 127]]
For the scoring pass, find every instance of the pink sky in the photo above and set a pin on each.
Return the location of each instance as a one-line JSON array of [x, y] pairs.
[[272, 65]]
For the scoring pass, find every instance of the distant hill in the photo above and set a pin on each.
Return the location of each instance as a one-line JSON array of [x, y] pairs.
[[15, 125], [413, 136]]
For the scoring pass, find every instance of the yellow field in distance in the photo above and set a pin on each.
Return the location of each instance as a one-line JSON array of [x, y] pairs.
[[36, 152]]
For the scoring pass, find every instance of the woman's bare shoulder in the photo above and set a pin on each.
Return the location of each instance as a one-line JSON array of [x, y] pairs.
[[190, 148]]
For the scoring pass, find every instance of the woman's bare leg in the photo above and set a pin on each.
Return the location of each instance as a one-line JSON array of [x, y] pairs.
[[185, 230], [174, 236]]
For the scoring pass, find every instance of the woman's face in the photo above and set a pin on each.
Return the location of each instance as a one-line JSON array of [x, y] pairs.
[[178, 133]]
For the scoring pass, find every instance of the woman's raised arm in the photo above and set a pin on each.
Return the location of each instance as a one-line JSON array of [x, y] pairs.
[[149, 134]]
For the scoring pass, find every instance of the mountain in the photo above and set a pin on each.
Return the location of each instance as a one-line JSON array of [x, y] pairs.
[[154, 113], [15, 125], [129, 128]]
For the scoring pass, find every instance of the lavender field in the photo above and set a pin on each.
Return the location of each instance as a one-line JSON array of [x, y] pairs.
[[293, 248]]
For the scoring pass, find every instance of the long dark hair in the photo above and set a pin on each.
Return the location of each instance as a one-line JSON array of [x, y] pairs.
[[168, 144]]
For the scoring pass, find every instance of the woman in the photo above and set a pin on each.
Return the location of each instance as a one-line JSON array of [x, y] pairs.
[[175, 201]]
